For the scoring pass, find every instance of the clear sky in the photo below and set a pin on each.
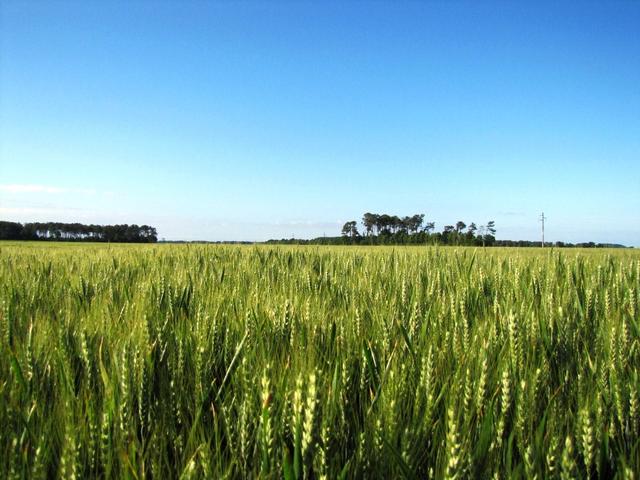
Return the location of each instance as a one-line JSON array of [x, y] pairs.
[[257, 120]]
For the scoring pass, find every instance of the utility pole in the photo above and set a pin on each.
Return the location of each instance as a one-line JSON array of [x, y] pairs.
[[542, 219]]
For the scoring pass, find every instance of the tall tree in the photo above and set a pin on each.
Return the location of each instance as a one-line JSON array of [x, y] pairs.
[[395, 223], [384, 221], [350, 229], [369, 222], [491, 232], [471, 232], [487, 233], [406, 224], [416, 222], [491, 228]]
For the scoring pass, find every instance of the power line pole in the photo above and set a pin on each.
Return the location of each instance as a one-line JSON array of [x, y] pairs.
[[542, 219]]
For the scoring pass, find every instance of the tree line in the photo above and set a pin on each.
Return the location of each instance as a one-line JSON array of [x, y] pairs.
[[77, 232], [392, 229], [558, 244]]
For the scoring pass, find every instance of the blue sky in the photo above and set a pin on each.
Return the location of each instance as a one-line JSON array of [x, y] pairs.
[[257, 120]]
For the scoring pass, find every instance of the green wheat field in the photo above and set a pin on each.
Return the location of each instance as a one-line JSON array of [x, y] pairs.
[[198, 361]]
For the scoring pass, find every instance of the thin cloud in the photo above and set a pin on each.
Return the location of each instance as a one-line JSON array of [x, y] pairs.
[[21, 188], [31, 188], [43, 211], [302, 223]]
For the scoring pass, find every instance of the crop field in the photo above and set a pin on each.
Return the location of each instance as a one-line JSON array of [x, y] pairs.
[[185, 361]]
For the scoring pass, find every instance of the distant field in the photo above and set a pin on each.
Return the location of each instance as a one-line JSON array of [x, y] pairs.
[[168, 361]]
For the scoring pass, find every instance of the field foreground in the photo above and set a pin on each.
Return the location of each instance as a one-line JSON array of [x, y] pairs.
[[170, 361]]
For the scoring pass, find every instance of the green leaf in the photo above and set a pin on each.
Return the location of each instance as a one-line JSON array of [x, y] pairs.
[[408, 342], [17, 371], [395, 455], [345, 471], [287, 467]]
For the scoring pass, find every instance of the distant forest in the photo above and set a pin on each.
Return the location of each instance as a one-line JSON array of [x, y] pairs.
[[77, 232], [384, 229]]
